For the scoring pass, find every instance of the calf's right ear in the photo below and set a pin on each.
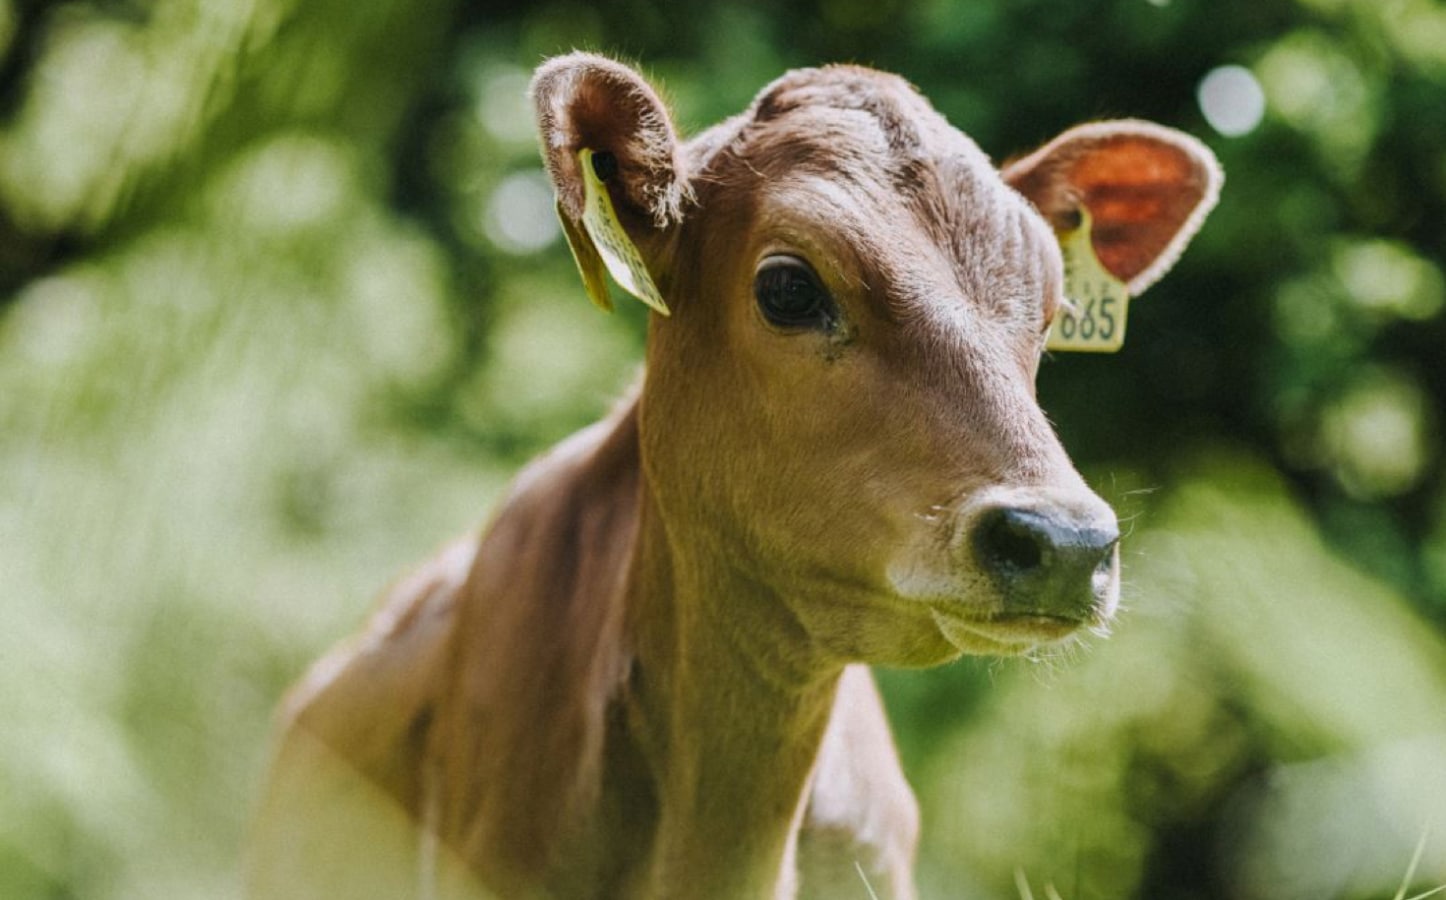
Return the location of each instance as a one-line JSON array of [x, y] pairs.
[[589, 102], [615, 164]]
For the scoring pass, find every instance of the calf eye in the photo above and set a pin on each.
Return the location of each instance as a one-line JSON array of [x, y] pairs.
[[790, 296]]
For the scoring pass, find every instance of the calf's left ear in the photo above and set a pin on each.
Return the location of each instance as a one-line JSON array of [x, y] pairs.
[[1146, 188]]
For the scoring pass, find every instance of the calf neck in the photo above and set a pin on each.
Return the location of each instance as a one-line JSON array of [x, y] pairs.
[[646, 678]]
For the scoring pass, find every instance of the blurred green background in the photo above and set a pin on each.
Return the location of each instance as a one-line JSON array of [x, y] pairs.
[[283, 304]]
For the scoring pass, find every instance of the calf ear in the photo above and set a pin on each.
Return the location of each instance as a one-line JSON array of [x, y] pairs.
[[589, 102], [1147, 189]]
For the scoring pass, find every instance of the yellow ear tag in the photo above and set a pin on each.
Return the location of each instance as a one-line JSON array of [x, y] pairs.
[[589, 263], [1095, 319], [610, 243]]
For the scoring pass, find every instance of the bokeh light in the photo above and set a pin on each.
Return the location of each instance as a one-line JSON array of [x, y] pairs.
[[520, 215], [1315, 86], [1379, 436], [1388, 278], [1231, 100], [504, 107]]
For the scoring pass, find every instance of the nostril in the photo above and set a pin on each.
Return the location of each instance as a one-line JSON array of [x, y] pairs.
[[1010, 542], [1018, 542]]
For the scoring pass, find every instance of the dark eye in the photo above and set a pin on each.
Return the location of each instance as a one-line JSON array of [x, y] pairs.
[[790, 296]]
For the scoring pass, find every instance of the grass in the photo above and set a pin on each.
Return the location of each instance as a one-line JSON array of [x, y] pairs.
[[1411, 873], [1021, 881], [867, 886]]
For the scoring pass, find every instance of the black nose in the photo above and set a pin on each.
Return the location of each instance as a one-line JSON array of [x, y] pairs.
[[1046, 562]]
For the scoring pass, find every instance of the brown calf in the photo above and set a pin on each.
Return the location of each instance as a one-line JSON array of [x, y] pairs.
[[647, 678]]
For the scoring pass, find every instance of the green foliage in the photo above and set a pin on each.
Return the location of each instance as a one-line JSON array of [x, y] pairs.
[[282, 306], [1276, 714]]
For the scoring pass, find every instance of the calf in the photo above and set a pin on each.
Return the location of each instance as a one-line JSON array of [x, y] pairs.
[[647, 678]]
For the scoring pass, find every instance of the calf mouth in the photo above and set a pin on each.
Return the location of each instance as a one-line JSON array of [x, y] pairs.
[[1007, 633], [1017, 569]]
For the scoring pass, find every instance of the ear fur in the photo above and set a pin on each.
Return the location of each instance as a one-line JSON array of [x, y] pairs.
[[588, 101], [1147, 188]]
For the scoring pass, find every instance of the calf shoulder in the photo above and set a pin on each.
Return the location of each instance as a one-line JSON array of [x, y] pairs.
[[452, 747], [338, 816]]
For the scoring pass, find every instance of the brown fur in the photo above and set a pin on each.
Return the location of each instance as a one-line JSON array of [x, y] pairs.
[[645, 680]]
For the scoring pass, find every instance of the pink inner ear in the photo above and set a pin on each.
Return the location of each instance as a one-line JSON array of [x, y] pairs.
[[1140, 193]]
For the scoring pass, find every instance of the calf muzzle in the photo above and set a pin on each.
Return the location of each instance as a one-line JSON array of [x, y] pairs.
[[1049, 562]]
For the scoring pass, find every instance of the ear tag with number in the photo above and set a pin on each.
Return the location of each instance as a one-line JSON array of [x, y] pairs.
[[1095, 319], [601, 243]]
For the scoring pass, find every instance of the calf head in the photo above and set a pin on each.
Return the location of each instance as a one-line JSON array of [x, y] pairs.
[[841, 404]]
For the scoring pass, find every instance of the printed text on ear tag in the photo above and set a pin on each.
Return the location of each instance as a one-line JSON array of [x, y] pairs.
[[1095, 319], [618, 253]]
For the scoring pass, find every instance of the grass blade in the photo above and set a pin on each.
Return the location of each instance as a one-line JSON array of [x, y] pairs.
[[867, 886]]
